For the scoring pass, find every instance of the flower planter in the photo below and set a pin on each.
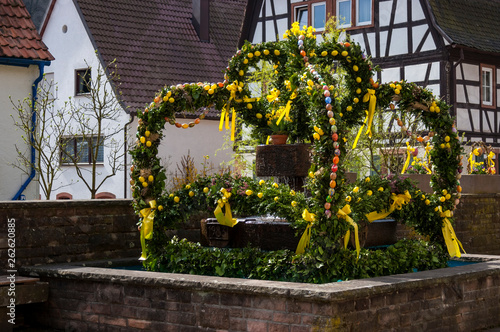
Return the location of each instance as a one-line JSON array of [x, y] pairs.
[[254, 231], [279, 139], [480, 184], [424, 181]]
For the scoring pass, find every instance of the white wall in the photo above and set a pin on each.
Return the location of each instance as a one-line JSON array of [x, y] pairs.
[[201, 140], [73, 50], [16, 83]]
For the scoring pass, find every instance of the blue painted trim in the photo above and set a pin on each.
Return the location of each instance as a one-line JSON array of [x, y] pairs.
[[34, 89]]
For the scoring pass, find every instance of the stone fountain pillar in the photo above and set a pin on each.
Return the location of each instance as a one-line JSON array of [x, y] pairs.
[[287, 163]]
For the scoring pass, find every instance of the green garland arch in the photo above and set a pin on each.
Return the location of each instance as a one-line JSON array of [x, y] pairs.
[[323, 109]]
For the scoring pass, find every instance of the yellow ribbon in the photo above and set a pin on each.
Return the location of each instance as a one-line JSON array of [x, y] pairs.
[[359, 133], [491, 163], [470, 161], [408, 156], [399, 201], [227, 218], [286, 111], [343, 213], [233, 88], [148, 215], [450, 238], [370, 95], [306, 236]]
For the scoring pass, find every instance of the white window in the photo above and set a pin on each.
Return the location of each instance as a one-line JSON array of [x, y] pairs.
[[344, 9], [487, 85], [364, 12], [310, 13]]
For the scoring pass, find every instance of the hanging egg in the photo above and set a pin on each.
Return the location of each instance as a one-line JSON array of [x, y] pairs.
[[337, 152], [335, 136], [331, 191], [334, 129], [328, 106], [333, 176], [330, 114], [327, 206], [328, 213], [334, 168], [336, 145]]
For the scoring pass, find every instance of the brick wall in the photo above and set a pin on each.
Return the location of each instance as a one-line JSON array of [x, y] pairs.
[[68, 231], [91, 299], [478, 223]]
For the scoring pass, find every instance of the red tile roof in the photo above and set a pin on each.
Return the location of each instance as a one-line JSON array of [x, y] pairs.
[[18, 36], [155, 44]]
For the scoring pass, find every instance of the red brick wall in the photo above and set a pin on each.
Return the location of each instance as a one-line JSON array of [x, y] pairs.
[[68, 231], [90, 299]]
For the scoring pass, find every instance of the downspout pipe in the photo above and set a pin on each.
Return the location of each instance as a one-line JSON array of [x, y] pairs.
[[34, 88], [125, 148]]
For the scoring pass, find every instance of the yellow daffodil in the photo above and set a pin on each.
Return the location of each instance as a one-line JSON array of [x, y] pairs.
[[260, 195]]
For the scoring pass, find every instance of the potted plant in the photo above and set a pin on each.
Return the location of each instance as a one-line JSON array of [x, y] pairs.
[[279, 123]]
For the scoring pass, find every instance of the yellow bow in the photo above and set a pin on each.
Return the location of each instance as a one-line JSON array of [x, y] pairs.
[[227, 218], [148, 215], [471, 165], [306, 237], [286, 110], [274, 96], [343, 214], [450, 238], [370, 95], [428, 148], [399, 201]]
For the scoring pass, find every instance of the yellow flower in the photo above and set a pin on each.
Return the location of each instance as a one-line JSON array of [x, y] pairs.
[[144, 184], [334, 53], [188, 186], [381, 189], [294, 203], [205, 190], [275, 185], [367, 179], [151, 178], [176, 199], [355, 68], [191, 194], [427, 202], [311, 174], [369, 192], [276, 198], [171, 100], [266, 52], [348, 199], [141, 179], [171, 195], [355, 190], [261, 182], [292, 192], [344, 53], [276, 52], [442, 199], [143, 139], [258, 115], [160, 207], [316, 136], [260, 195], [249, 192], [349, 108], [448, 196], [324, 53]]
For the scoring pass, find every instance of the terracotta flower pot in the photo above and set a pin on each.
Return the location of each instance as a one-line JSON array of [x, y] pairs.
[[279, 139]]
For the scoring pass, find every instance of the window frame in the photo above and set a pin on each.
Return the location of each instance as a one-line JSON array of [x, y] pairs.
[[491, 70], [332, 8], [78, 87], [74, 140], [308, 5]]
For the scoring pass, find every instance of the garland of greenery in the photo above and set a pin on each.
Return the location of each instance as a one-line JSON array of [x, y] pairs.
[[323, 106]]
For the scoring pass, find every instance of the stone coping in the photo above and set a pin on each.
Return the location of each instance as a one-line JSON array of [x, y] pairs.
[[63, 203], [490, 265]]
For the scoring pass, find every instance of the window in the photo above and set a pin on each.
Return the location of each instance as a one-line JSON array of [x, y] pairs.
[[310, 13], [83, 81], [349, 13], [80, 149], [361, 10], [487, 86]]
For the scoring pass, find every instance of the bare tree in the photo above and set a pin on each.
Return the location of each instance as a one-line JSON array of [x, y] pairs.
[[94, 129], [50, 128]]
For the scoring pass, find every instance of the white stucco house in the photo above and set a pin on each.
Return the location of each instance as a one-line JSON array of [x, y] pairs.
[[23, 59], [154, 44]]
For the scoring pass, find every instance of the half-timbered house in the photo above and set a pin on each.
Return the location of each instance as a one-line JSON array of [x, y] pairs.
[[448, 46]]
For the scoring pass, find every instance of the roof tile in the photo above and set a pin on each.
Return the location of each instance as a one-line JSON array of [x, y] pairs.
[[155, 44], [18, 36], [469, 23]]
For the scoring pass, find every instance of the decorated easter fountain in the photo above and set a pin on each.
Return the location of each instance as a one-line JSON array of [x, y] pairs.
[[322, 90]]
